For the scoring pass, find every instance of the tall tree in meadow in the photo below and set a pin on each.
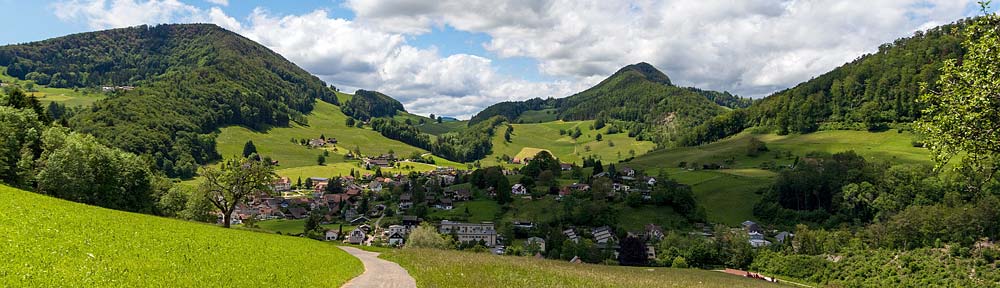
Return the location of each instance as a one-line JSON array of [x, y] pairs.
[[961, 118], [234, 182], [249, 149]]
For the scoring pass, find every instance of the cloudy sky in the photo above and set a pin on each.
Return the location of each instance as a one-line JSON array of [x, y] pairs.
[[456, 57]]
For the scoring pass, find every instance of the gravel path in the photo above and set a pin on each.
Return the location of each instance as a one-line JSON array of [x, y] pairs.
[[378, 272]]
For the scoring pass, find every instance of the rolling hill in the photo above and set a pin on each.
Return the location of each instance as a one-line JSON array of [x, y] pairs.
[[638, 96], [189, 79], [729, 194], [52, 242]]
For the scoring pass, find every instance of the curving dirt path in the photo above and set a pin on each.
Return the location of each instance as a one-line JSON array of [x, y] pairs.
[[379, 273]]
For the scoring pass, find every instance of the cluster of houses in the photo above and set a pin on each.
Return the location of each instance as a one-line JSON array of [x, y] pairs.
[[756, 235], [116, 88]]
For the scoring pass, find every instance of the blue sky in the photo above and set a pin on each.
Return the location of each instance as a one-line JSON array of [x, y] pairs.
[[453, 57]]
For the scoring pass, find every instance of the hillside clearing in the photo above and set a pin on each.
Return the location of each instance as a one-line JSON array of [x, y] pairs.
[[612, 147], [52, 242]]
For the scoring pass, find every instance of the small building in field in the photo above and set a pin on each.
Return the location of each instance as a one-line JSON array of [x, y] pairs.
[[518, 189]]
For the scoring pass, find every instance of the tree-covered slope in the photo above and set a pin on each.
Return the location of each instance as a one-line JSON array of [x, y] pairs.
[[369, 104], [639, 96], [50, 243], [190, 79], [870, 92]]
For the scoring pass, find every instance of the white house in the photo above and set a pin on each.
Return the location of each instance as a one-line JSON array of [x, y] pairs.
[[651, 181], [357, 236], [518, 189], [331, 235], [396, 239]]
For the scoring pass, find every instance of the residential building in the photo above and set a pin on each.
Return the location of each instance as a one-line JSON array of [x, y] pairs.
[[471, 232], [331, 235], [396, 239], [603, 235], [518, 189], [282, 185], [357, 236]]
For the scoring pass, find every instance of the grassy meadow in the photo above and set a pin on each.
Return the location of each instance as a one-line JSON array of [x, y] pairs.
[[728, 195], [50, 242], [546, 136], [65, 96], [446, 268], [327, 120]]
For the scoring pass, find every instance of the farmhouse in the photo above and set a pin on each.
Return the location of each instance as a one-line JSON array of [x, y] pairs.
[[518, 189], [396, 239], [282, 185], [444, 204], [471, 232], [357, 236]]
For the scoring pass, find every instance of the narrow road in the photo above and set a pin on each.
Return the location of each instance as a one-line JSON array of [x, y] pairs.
[[378, 273]]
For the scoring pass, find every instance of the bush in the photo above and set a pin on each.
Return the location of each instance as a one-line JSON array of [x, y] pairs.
[[679, 262], [426, 236]]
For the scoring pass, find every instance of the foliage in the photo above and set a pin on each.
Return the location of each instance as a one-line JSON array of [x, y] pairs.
[[234, 182], [468, 145], [366, 105], [76, 167], [426, 236], [961, 113]]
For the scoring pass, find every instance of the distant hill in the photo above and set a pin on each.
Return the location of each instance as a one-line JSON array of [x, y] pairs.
[[190, 79], [369, 104], [637, 94]]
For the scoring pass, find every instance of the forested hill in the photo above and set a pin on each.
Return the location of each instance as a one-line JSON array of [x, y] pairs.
[[190, 79], [639, 96], [370, 104], [870, 92]]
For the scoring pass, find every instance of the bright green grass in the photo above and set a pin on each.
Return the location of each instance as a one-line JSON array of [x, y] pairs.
[[538, 116], [727, 198], [65, 96], [47, 242], [296, 226], [326, 119], [441, 268], [444, 127], [635, 219], [479, 210], [887, 146], [546, 136], [543, 210], [728, 195]]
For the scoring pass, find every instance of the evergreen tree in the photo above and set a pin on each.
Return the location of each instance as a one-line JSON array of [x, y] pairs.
[[249, 149]]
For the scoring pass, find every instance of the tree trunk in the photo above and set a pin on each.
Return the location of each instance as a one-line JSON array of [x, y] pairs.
[[226, 218]]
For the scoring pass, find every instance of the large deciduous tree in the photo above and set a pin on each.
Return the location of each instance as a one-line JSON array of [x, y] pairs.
[[234, 182], [963, 116]]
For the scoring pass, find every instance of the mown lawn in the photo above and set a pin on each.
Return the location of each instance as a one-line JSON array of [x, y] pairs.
[[445, 268], [344, 168], [327, 120], [47, 242], [546, 136], [479, 210]]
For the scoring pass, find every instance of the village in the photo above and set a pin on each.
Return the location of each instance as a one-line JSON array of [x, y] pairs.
[[376, 209]]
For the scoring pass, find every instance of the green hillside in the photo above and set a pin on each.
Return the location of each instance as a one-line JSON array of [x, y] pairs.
[[50, 242], [447, 268], [531, 137], [728, 195], [189, 79], [639, 96], [325, 119]]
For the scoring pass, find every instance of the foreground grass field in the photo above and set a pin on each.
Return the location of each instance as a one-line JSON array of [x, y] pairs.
[[441, 268], [47, 242], [728, 195], [538, 136]]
